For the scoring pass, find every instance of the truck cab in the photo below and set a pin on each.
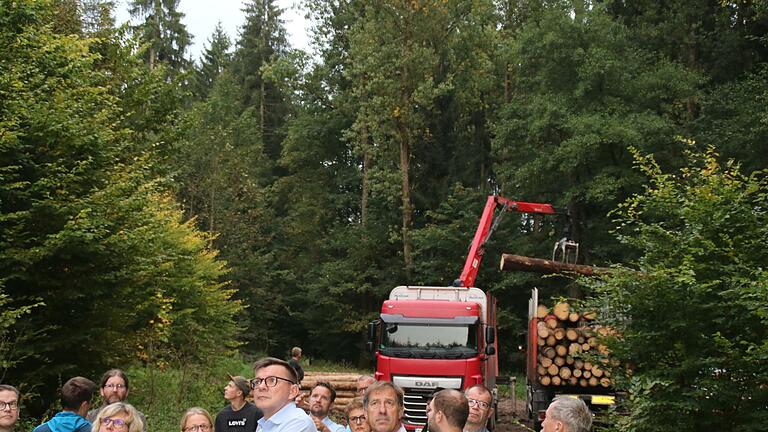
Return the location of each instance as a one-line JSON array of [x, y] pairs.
[[429, 338]]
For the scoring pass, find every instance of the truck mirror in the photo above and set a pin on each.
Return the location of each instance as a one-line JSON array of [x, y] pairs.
[[490, 335], [372, 331], [490, 350]]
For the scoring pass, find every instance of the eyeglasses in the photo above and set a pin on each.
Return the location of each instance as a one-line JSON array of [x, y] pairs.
[[200, 427], [115, 386], [270, 381], [481, 404], [13, 405], [357, 419], [117, 423]]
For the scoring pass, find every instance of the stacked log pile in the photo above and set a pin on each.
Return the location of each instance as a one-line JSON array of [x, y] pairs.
[[568, 344], [345, 385]]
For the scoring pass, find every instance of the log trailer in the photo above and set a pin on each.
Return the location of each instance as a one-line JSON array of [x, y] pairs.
[[444, 337], [547, 378]]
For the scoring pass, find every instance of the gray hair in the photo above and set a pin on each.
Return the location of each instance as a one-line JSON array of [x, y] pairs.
[[573, 412]]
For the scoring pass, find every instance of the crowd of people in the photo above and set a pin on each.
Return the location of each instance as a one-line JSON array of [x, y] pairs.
[[276, 393]]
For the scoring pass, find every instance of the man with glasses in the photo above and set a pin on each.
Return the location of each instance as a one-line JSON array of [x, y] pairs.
[[448, 411], [363, 382], [114, 388], [480, 408], [9, 407], [76, 397], [275, 387], [384, 408]]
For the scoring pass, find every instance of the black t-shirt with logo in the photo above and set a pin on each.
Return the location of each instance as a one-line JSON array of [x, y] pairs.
[[242, 420]]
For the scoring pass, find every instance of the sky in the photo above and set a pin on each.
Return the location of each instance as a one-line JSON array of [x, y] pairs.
[[201, 17]]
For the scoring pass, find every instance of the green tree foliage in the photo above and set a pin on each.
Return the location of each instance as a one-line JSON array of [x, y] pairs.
[[693, 326], [584, 91], [216, 58], [262, 41], [165, 36], [88, 235]]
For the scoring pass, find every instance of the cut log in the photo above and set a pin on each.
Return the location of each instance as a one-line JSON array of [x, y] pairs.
[[574, 349], [583, 382], [551, 341], [593, 382], [565, 373], [549, 352], [561, 350], [561, 311], [574, 317], [541, 341], [545, 361], [551, 321], [578, 364], [569, 360], [573, 381], [553, 370], [596, 371], [559, 333], [542, 311], [592, 342], [589, 315], [545, 380], [559, 361], [587, 374], [571, 334], [541, 370], [576, 372], [584, 347], [556, 380], [605, 382], [542, 329], [511, 262], [588, 365]]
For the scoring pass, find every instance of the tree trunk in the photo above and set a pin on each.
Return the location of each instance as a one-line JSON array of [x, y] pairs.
[[537, 265]]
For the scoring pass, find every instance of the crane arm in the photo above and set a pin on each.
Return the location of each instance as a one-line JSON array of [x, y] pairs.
[[485, 229]]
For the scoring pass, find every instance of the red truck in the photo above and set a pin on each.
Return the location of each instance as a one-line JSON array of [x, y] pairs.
[[430, 337]]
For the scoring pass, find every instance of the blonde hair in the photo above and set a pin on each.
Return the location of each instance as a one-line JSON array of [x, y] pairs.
[[132, 416], [192, 411]]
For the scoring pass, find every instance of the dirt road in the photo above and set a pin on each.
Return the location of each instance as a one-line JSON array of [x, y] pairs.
[[511, 417]]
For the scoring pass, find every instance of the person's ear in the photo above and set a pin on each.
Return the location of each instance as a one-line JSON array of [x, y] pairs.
[[294, 391]]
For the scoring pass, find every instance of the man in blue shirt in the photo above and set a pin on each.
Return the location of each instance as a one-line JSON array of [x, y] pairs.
[[384, 407], [321, 400], [274, 389], [76, 397]]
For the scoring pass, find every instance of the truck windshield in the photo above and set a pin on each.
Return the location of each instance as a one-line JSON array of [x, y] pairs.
[[429, 340]]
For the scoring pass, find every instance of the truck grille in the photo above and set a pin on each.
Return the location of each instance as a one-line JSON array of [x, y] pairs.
[[418, 390], [416, 405]]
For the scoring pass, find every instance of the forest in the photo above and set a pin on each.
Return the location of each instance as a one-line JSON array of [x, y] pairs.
[[161, 211]]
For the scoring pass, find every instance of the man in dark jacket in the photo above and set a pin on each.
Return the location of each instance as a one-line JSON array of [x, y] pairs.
[[76, 397], [239, 415]]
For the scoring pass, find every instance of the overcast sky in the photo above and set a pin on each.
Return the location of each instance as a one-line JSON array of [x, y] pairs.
[[201, 16]]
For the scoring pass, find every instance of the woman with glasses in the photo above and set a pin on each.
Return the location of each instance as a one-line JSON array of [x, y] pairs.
[[196, 420], [356, 419], [118, 416]]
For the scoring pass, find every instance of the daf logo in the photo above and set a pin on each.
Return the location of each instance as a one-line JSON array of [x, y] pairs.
[[426, 383]]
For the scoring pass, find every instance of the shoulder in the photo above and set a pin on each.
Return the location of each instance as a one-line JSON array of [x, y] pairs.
[[251, 410], [299, 422], [85, 427], [42, 428]]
